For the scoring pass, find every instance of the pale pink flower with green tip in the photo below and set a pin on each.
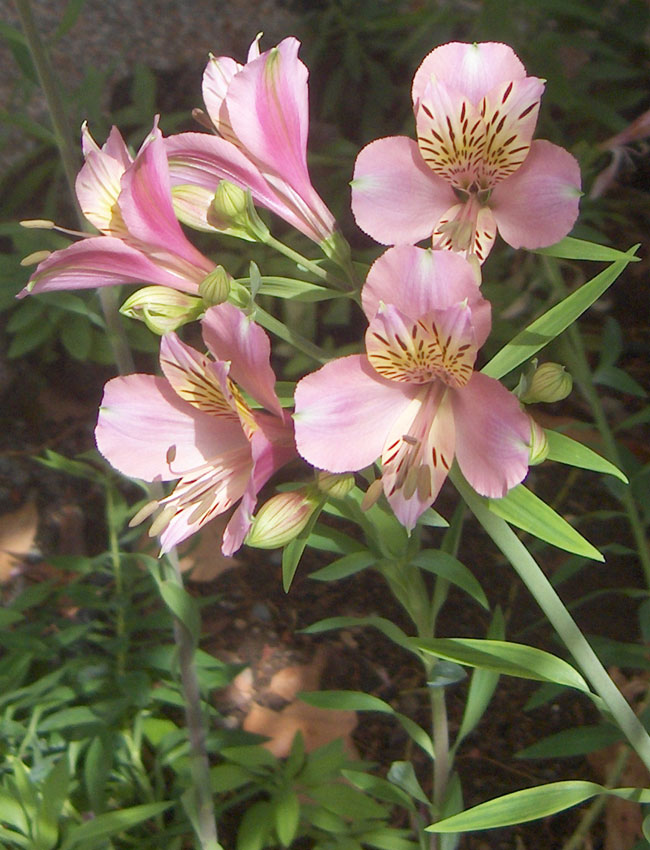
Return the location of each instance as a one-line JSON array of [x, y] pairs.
[[194, 425], [129, 201], [414, 399], [473, 169], [260, 112]]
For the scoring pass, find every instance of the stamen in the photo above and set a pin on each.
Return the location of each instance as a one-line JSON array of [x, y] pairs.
[[144, 513], [162, 520], [35, 258], [372, 494]]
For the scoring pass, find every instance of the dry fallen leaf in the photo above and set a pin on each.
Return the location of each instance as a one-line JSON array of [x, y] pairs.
[[17, 535], [318, 726]]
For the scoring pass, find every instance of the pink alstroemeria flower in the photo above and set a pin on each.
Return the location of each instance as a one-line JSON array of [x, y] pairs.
[[194, 425], [473, 169], [129, 201], [261, 113], [413, 399]]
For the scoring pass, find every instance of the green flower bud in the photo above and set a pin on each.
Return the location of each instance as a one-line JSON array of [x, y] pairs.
[[232, 212], [162, 309], [335, 484], [281, 519], [538, 443], [549, 382], [215, 288]]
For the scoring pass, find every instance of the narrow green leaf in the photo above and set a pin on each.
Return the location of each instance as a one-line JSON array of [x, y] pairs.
[[532, 803], [388, 839], [570, 248], [482, 684], [402, 774], [359, 701], [182, 606], [565, 450], [255, 826], [385, 626], [286, 816], [379, 787], [54, 792], [514, 659], [347, 801], [228, 777], [298, 290], [528, 512], [446, 566], [293, 552], [111, 823], [577, 741], [346, 566], [540, 332]]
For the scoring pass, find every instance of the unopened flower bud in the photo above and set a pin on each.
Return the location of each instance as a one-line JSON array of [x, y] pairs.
[[538, 443], [232, 211], [162, 309], [281, 519], [335, 484], [549, 382], [215, 288]]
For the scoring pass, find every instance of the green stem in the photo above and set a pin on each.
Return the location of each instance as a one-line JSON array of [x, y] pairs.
[[557, 614], [441, 764], [200, 765], [303, 261], [70, 161], [116, 561], [266, 320]]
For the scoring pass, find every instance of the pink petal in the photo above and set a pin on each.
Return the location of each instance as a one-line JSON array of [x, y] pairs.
[[146, 205], [200, 497], [196, 379], [414, 469], [396, 198], [231, 335], [99, 261], [203, 160], [492, 436], [538, 204], [419, 280], [344, 411], [268, 103], [471, 69], [113, 146], [268, 457], [98, 187], [141, 418], [216, 78]]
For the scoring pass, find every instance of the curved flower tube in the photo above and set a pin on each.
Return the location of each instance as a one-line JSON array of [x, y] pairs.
[[474, 169], [414, 399], [260, 112], [129, 201], [194, 425]]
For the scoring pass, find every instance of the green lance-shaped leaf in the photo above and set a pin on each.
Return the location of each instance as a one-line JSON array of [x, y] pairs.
[[540, 332], [296, 290], [286, 816], [446, 566], [570, 248], [103, 826], [182, 606], [528, 512], [565, 450], [532, 803], [500, 656], [358, 701], [482, 684]]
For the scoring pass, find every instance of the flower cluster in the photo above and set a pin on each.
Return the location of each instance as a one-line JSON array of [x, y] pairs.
[[412, 402]]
